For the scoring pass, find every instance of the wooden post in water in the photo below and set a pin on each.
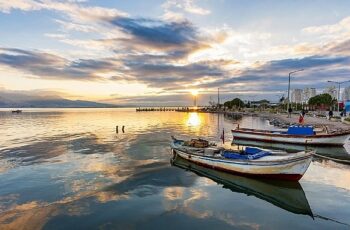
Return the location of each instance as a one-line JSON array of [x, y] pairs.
[[123, 128], [116, 129]]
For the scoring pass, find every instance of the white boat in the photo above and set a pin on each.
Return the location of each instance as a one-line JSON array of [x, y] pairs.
[[304, 135], [288, 195], [253, 162]]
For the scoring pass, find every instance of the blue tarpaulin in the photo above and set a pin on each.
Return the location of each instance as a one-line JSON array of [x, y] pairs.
[[246, 156], [300, 130]]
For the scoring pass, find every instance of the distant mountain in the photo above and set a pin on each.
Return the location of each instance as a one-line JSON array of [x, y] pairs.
[[55, 103], [12, 100]]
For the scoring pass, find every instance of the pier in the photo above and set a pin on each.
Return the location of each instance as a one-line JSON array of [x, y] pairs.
[[156, 109]]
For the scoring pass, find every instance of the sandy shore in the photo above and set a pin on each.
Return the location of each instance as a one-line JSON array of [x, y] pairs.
[[308, 120]]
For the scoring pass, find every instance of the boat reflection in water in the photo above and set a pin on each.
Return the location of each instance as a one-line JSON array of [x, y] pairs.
[[337, 153], [288, 195]]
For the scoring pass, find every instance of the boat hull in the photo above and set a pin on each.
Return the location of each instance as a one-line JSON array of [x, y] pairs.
[[292, 169], [319, 140]]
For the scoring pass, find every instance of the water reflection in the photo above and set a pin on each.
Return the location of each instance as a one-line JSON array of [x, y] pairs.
[[289, 196], [69, 169], [193, 119]]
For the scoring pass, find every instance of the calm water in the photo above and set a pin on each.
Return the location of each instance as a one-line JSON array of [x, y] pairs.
[[68, 169]]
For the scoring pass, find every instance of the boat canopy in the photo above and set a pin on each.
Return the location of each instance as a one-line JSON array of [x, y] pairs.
[[300, 130]]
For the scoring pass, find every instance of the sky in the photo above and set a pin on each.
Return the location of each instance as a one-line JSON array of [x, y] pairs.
[[156, 52]]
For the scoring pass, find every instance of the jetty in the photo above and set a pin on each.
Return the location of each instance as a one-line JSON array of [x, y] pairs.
[[156, 109]]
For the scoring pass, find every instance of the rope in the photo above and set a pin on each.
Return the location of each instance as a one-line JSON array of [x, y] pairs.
[[333, 159]]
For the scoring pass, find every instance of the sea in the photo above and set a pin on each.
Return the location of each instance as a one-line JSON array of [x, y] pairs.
[[80, 169]]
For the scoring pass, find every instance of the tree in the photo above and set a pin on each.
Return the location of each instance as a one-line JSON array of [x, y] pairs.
[[238, 103], [322, 100]]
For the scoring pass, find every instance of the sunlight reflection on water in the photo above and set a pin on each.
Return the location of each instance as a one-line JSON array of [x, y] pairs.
[[68, 168]]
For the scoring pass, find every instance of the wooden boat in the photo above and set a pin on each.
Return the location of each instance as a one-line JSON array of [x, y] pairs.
[[253, 162], [337, 153], [288, 195], [304, 135]]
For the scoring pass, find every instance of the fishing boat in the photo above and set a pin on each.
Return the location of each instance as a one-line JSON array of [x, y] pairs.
[[252, 162], [296, 134], [288, 195], [339, 154]]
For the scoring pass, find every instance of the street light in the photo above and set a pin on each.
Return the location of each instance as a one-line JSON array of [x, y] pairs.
[[339, 83], [299, 70]]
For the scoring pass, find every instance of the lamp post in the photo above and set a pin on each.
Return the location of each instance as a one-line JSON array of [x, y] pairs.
[[339, 83], [299, 70]]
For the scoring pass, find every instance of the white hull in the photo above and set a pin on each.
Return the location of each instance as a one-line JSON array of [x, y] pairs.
[[290, 167], [304, 140]]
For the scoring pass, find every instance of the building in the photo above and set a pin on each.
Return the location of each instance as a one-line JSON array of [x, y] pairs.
[[308, 93], [331, 90], [297, 96], [346, 94]]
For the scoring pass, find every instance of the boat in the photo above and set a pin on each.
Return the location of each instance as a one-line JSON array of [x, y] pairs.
[[288, 195], [251, 162], [16, 111], [296, 134], [338, 154]]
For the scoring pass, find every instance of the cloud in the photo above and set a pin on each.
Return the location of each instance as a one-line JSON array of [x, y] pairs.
[[188, 6], [71, 8], [25, 5], [273, 75], [157, 33], [147, 35], [332, 30], [168, 76], [49, 66]]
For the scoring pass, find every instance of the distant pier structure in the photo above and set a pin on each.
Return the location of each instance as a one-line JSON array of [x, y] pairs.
[[156, 109]]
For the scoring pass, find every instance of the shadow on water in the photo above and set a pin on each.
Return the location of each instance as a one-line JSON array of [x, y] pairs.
[[337, 154], [289, 196]]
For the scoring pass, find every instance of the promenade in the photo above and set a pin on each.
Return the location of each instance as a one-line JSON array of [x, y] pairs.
[[308, 120]]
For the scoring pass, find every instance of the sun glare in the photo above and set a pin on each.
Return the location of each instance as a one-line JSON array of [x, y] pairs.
[[194, 92]]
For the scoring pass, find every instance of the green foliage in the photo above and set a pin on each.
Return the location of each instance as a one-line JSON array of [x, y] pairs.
[[321, 99], [238, 103]]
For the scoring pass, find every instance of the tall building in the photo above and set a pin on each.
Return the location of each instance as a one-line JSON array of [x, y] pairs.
[[331, 90], [308, 93], [346, 94], [297, 96]]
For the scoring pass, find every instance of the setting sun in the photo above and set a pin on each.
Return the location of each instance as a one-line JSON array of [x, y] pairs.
[[194, 92]]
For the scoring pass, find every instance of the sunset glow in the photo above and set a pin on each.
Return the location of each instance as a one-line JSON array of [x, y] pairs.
[[114, 52]]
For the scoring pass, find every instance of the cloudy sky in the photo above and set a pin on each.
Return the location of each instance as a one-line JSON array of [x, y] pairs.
[[157, 51]]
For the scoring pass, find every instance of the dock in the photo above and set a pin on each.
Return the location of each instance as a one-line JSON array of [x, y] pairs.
[[157, 109]]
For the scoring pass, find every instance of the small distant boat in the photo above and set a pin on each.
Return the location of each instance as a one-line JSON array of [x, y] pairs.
[[288, 195], [16, 111], [296, 134], [252, 162]]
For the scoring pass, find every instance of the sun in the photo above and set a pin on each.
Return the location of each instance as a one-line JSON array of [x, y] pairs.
[[194, 92]]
